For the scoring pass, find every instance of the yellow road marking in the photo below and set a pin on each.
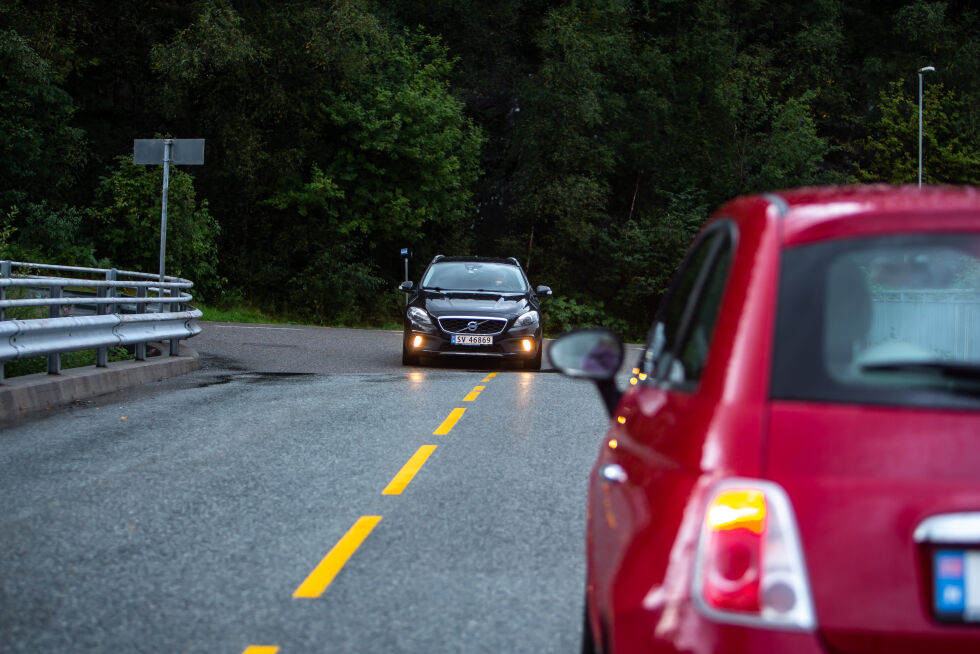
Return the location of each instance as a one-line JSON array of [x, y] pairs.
[[449, 422], [261, 649], [407, 473], [490, 376], [323, 574], [472, 395]]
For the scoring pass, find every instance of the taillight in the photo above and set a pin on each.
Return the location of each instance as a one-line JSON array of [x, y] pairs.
[[749, 566]]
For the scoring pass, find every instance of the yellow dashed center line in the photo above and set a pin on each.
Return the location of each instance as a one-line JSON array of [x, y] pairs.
[[407, 473], [316, 583], [474, 393], [335, 559], [449, 422]]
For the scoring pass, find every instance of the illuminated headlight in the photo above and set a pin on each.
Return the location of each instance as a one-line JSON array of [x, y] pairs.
[[419, 317], [528, 319]]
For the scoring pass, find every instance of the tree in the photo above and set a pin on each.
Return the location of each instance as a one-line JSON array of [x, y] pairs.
[[568, 133], [355, 137], [40, 150], [127, 213], [949, 154]]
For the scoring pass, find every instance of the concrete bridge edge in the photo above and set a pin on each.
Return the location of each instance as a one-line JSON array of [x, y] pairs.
[[31, 395]]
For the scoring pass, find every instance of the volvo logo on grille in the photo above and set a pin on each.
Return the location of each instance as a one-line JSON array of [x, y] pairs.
[[471, 325]]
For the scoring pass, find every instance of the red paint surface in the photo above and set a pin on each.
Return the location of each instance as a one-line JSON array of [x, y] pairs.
[[859, 478]]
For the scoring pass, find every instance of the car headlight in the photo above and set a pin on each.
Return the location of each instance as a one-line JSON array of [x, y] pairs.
[[528, 319], [419, 317]]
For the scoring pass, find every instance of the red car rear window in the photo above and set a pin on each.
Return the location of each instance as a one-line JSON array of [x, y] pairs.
[[883, 320]]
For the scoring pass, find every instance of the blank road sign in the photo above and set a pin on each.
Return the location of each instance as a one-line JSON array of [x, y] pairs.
[[183, 152]]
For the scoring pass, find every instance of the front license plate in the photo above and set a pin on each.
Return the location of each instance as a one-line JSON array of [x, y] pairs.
[[475, 339], [956, 585]]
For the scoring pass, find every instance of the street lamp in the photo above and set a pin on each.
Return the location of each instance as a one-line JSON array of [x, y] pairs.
[[925, 69]]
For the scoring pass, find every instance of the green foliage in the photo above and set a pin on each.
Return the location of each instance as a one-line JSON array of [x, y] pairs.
[[127, 214], [237, 313], [44, 234], [405, 157], [643, 256], [564, 313], [589, 138], [80, 359], [40, 150], [355, 145], [7, 230], [949, 153]]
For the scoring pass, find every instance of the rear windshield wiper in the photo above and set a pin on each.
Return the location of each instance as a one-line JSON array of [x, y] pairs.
[[950, 369]]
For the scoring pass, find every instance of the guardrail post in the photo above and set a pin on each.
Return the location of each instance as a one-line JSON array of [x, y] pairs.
[[102, 353], [54, 359], [141, 308], [4, 272], [110, 276], [175, 306]]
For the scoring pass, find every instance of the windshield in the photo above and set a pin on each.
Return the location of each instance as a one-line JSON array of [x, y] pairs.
[[475, 276], [891, 320]]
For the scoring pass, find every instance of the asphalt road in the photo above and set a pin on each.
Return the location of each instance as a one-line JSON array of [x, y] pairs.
[[221, 511]]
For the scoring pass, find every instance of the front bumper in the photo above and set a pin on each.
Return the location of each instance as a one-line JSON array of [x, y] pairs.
[[509, 345]]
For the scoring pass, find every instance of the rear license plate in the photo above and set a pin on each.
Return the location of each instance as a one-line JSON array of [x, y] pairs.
[[956, 585], [475, 339]]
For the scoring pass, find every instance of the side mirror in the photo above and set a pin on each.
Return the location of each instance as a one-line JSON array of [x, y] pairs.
[[594, 354], [406, 287], [543, 291]]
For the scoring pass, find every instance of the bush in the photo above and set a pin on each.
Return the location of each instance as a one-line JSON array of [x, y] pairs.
[[34, 365], [562, 314], [40, 233], [127, 215]]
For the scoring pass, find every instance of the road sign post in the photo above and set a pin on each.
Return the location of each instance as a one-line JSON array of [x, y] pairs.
[[406, 254], [180, 152]]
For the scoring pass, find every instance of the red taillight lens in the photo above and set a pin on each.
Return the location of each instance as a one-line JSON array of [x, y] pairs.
[[749, 566], [735, 525]]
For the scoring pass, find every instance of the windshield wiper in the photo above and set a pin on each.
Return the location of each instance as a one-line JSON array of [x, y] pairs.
[[950, 369], [463, 291]]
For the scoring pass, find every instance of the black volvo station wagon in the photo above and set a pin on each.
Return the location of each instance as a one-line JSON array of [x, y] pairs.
[[473, 306]]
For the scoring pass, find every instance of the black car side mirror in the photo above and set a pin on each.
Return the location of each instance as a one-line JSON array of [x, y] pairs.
[[406, 286], [543, 291], [594, 354]]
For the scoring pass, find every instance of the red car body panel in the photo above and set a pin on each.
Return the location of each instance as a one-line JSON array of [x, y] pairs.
[[860, 478]]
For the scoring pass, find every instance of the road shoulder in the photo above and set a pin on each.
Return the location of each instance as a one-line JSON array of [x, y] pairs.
[[23, 397]]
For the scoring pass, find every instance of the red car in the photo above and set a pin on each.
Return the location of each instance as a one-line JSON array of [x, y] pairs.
[[795, 466]]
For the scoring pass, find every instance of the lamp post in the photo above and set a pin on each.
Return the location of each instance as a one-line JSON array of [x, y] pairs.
[[925, 69]]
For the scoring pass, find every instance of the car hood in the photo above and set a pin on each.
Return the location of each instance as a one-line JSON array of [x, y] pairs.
[[467, 303]]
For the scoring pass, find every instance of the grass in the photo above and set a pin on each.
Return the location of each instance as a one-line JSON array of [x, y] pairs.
[[247, 314], [239, 313], [80, 359]]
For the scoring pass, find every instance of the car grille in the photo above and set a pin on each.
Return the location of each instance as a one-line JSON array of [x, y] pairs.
[[483, 325]]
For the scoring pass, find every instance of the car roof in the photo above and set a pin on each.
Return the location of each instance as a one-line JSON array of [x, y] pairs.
[[811, 214], [511, 261]]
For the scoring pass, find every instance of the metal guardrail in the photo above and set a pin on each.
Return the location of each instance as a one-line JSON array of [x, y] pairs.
[[89, 309]]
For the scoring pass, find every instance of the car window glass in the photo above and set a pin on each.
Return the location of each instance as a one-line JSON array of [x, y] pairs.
[[475, 276], [670, 354], [694, 350], [892, 320]]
